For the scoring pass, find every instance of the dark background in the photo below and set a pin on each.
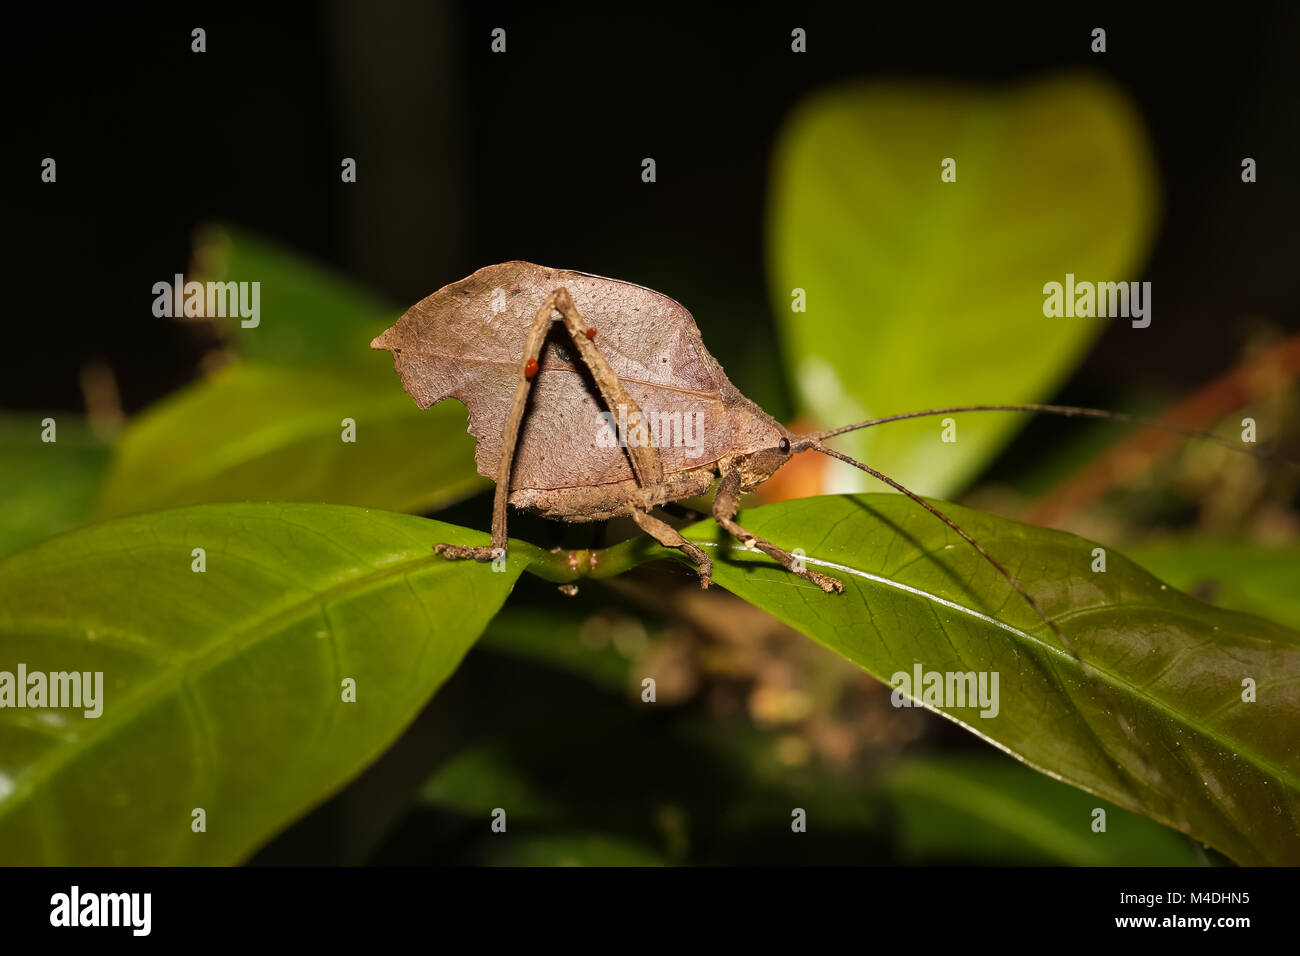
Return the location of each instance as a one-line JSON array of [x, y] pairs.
[[467, 158]]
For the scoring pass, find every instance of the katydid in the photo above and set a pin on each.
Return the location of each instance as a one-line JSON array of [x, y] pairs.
[[630, 352]]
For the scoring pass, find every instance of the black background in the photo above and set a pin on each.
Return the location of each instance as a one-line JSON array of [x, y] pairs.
[[340, 907]]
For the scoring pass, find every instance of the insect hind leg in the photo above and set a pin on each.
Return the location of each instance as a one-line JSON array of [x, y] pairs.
[[645, 461], [509, 439]]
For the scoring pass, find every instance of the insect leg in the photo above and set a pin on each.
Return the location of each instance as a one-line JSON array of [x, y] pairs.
[[509, 439], [667, 535], [725, 503], [645, 458], [646, 463]]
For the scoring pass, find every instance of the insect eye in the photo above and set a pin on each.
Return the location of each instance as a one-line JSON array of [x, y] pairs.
[[784, 445]]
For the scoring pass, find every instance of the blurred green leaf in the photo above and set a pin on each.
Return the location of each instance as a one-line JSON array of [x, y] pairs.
[[46, 487], [571, 849], [309, 315], [482, 778], [1256, 578], [919, 290], [1220, 769], [222, 690], [977, 809], [272, 429], [551, 635], [693, 791], [255, 433], [949, 809]]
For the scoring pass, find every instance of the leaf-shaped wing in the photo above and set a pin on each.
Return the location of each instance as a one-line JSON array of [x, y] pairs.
[[466, 341]]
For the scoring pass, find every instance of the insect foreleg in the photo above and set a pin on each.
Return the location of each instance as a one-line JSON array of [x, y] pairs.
[[668, 536], [725, 503]]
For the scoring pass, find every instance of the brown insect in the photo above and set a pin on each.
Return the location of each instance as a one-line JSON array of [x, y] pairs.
[[487, 340]]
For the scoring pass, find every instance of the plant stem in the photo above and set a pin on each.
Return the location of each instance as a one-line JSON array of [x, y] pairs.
[[570, 565]]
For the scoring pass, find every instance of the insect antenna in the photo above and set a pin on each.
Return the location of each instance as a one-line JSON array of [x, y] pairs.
[[1067, 411], [1089, 674], [1010, 578]]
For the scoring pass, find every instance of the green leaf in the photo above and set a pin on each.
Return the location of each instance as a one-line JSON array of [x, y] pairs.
[[47, 487], [308, 315], [1220, 769], [573, 849], [272, 429], [976, 808], [482, 778], [222, 690], [550, 635], [1256, 578], [923, 293], [259, 433]]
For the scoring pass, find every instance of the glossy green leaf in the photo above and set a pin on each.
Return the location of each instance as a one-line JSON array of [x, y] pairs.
[[46, 487], [259, 433], [222, 689], [1205, 761], [308, 315], [1256, 578], [918, 290], [977, 808]]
